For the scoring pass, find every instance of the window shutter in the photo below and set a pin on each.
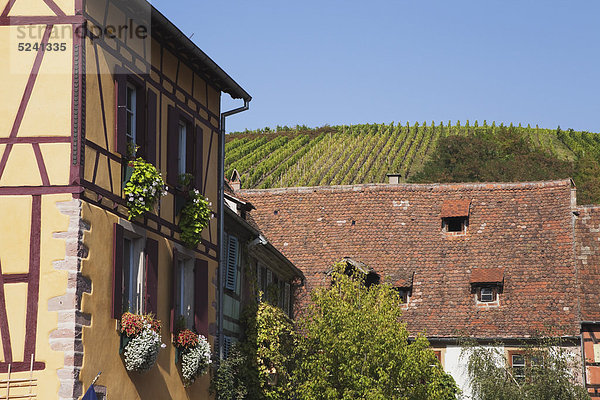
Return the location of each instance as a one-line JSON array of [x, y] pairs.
[[121, 114], [201, 296], [232, 257], [151, 276], [151, 103], [140, 120], [173, 146], [198, 170], [227, 342], [117, 283], [174, 278]]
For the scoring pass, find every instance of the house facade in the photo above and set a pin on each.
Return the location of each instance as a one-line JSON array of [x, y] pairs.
[[255, 269], [496, 262], [85, 85]]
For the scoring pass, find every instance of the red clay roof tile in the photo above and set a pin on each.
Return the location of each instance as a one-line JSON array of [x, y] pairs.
[[396, 229]]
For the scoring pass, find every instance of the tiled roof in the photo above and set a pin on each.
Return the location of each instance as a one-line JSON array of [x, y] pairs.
[[487, 275], [526, 228], [587, 251], [455, 208]]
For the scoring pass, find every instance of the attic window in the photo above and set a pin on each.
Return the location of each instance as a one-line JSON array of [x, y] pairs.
[[487, 284], [454, 224], [487, 294], [403, 293], [455, 215]]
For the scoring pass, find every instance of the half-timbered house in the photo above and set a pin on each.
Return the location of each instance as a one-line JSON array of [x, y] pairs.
[[83, 83]]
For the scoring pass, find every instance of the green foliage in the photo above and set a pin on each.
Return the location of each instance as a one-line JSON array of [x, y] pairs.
[[355, 154], [548, 372], [194, 217], [143, 189], [503, 156], [228, 380], [587, 180], [355, 347], [269, 347]]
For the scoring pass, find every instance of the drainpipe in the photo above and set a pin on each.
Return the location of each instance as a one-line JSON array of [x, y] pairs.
[[221, 180]]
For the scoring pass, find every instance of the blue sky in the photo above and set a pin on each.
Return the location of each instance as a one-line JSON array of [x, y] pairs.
[[344, 62]]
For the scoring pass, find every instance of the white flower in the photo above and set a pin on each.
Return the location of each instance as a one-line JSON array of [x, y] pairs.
[[142, 350], [195, 361]]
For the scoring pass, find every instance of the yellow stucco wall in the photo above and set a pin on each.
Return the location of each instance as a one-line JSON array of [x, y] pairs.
[[14, 255], [101, 338]]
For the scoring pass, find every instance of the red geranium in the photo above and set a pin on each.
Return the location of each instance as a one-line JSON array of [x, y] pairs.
[[131, 324], [186, 339]]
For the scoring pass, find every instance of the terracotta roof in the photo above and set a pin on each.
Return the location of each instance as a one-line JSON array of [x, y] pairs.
[[487, 275], [455, 208], [396, 229], [587, 251]]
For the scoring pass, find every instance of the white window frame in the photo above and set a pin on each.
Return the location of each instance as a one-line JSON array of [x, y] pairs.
[[518, 366], [134, 271], [181, 157], [489, 292], [131, 110], [185, 290]]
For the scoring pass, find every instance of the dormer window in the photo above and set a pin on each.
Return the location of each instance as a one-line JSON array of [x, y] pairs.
[[487, 284], [402, 283], [455, 216], [454, 224]]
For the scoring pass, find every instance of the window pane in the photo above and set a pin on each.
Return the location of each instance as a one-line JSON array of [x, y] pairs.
[[181, 161], [131, 114], [185, 290], [487, 294], [127, 260]]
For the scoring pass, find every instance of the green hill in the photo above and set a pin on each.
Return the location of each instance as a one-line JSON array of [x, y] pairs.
[[353, 154]]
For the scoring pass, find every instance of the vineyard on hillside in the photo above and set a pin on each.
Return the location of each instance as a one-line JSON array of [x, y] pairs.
[[353, 154]]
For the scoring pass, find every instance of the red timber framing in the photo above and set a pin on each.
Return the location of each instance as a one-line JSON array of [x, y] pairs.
[[32, 277], [110, 197], [590, 335]]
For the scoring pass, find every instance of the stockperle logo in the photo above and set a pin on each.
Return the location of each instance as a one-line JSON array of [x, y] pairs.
[[123, 30]]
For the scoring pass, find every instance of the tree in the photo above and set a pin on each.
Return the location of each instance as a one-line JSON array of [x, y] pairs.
[[355, 347], [547, 373]]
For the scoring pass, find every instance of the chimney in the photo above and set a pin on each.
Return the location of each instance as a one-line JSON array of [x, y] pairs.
[[235, 182], [394, 178]]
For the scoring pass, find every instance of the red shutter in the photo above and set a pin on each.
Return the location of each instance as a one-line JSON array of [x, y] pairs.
[[198, 158], [121, 114], [117, 283], [151, 104], [174, 278], [201, 296], [140, 119], [172, 146], [151, 276]]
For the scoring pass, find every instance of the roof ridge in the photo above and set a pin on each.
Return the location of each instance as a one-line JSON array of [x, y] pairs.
[[414, 186]]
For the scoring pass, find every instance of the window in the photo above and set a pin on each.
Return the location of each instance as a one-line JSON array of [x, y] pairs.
[[182, 148], [518, 365], [455, 224], [184, 305], [135, 272], [131, 108], [487, 294], [133, 275], [404, 294]]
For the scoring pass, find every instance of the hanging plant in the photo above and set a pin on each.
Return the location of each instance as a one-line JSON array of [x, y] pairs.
[[140, 341], [195, 214], [194, 352], [144, 188]]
